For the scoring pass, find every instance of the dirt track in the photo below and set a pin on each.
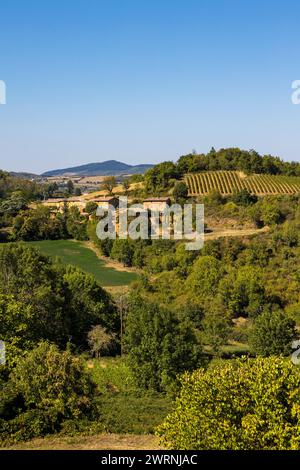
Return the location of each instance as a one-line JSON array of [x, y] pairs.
[[98, 442], [219, 233]]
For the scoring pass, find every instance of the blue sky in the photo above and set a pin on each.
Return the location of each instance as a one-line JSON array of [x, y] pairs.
[[143, 81]]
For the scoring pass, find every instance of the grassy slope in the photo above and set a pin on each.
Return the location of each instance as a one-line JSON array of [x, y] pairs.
[[73, 252], [124, 407]]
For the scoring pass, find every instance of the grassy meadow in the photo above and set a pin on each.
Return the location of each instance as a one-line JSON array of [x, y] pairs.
[[75, 253]]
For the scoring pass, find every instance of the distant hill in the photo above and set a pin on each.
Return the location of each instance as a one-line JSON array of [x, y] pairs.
[[110, 167], [23, 175]]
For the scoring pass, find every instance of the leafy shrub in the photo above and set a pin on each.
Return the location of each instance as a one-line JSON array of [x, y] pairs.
[[240, 405], [244, 198], [272, 333], [46, 388], [180, 191]]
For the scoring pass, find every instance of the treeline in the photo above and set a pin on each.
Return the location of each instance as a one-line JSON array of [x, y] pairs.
[[164, 175], [41, 224]]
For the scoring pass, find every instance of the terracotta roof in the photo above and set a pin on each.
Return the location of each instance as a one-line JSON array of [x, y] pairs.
[[103, 199], [62, 199]]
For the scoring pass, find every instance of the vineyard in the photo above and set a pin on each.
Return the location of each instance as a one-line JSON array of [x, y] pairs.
[[228, 182]]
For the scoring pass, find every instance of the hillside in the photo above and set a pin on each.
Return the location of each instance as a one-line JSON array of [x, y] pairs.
[[109, 167], [228, 182]]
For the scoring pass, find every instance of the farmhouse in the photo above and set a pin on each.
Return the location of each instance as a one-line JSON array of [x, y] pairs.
[[157, 204], [105, 201], [59, 203]]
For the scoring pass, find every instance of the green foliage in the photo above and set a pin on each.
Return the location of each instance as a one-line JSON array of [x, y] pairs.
[[123, 407], [159, 345], [123, 251], [214, 198], [133, 413], [38, 224], [158, 178], [70, 187], [244, 405], [272, 333], [91, 207], [45, 388], [109, 183], [232, 159], [12, 205], [270, 212], [43, 300], [244, 198], [242, 291], [113, 374], [216, 329], [180, 191], [204, 277], [76, 224]]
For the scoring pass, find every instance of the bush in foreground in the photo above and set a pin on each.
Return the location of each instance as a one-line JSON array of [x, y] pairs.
[[45, 389], [242, 405]]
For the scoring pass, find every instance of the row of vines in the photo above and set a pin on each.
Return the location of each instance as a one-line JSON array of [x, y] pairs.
[[228, 182]]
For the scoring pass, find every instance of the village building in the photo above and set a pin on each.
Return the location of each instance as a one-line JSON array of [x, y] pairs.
[[105, 201], [157, 204], [58, 204]]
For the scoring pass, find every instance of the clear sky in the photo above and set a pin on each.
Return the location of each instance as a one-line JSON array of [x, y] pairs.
[[143, 81]]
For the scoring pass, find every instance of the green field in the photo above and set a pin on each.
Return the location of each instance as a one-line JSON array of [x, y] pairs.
[[75, 253]]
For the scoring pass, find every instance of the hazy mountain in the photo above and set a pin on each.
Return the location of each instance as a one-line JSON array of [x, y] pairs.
[[110, 167]]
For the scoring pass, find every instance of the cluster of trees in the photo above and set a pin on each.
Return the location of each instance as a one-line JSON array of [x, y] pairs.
[[15, 195], [29, 190], [46, 310], [39, 224], [141, 254], [246, 208], [164, 175], [243, 290], [160, 344], [41, 299], [62, 190]]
